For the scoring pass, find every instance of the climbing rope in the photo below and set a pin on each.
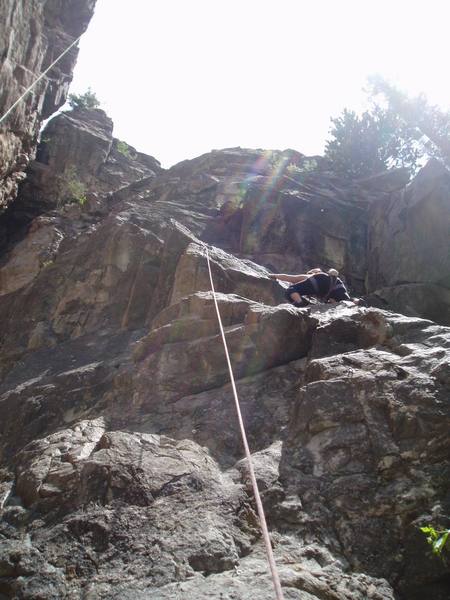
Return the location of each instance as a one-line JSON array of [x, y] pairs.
[[262, 518], [28, 90]]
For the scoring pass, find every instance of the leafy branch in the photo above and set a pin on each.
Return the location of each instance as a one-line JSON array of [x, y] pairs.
[[88, 100], [436, 538]]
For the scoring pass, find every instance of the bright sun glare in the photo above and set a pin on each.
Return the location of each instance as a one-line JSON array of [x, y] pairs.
[[181, 77]]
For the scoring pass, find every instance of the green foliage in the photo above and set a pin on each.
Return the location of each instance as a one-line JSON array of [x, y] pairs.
[[87, 100], [123, 148], [436, 538], [308, 165], [431, 123], [363, 145], [71, 188]]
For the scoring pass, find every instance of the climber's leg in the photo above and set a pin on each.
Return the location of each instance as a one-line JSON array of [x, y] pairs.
[[293, 295]]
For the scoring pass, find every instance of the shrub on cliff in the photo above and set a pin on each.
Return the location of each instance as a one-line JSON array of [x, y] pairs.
[[378, 139], [87, 100], [124, 149], [397, 131], [71, 188], [430, 121]]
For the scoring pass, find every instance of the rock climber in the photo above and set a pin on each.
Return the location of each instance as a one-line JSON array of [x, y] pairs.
[[323, 285]]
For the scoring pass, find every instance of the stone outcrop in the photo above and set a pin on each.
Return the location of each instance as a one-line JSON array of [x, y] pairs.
[[408, 251], [33, 34], [77, 158], [289, 218], [79, 164], [81, 140], [122, 471]]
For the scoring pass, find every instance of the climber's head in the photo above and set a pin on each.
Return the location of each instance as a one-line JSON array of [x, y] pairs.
[[314, 271], [333, 272]]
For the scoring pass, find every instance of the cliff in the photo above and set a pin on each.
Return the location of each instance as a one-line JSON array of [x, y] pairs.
[[33, 34], [121, 466], [408, 246]]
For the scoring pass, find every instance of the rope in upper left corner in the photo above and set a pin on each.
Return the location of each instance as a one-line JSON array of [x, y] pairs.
[[43, 74]]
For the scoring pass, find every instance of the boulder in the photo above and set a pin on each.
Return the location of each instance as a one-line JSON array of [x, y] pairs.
[[230, 275]]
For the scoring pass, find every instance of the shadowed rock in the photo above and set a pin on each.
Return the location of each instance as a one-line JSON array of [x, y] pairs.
[[33, 36], [409, 263]]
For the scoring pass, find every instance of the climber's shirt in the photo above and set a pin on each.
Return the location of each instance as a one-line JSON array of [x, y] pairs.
[[319, 285]]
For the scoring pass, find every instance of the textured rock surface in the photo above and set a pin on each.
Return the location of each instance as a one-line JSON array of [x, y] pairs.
[[143, 491], [409, 241], [32, 36], [121, 466], [82, 140], [78, 161], [290, 219]]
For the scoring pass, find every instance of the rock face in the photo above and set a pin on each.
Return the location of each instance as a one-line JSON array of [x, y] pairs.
[[409, 241], [293, 217], [77, 159], [122, 471], [121, 466], [33, 34]]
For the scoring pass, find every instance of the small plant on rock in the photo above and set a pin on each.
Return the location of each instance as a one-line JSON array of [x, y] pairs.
[[437, 538], [308, 165], [123, 148], [71, 188], [88, 100]]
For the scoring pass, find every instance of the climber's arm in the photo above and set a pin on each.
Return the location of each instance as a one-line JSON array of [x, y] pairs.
[[289, 278]]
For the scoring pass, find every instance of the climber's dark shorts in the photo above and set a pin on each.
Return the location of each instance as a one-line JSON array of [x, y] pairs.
[[306, 288]]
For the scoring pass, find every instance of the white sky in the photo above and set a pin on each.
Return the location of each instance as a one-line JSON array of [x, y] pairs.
[[181, 77]]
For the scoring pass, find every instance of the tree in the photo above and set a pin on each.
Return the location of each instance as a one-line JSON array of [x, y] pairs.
[[431, 123], [87, 100], [364, 145]]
